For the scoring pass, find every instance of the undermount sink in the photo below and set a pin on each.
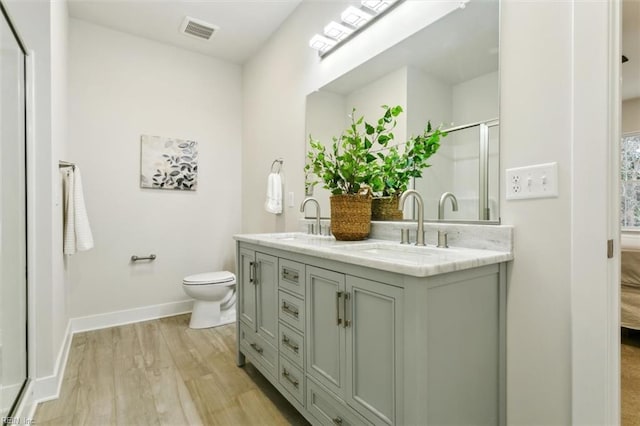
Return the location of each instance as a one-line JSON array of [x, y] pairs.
[[398, 252], [299, 236], [292, 236]]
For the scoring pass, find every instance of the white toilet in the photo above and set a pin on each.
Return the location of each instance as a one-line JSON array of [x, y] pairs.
[[215, 298]]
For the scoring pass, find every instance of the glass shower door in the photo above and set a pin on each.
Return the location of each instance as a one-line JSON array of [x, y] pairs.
[[13, 248]]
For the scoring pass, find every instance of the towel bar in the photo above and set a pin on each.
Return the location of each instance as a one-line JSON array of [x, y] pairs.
[[135, 258]]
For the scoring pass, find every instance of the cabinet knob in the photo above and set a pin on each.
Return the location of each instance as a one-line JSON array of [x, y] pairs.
[[337, 421]]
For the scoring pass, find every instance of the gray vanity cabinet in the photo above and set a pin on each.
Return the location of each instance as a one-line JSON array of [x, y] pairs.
[[258, 298], [351, 345], [373, 331], [246, 288], [354, 341], [267, 297], [326, 355]]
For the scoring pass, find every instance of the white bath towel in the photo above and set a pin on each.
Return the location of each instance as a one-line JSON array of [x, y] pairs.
[[77, 232], [274, 194]]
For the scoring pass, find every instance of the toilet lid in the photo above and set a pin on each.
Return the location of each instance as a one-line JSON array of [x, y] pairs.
[[210, 278]]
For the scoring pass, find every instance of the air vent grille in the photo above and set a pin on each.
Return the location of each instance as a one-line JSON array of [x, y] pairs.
[[197, 28]]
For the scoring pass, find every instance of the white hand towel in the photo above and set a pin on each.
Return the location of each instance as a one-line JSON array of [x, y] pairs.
[[274, 194], [77, 232], [69, 235]]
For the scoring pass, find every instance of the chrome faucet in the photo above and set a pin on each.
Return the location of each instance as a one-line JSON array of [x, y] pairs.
[[403, 197], [315, 231], [443, 198]]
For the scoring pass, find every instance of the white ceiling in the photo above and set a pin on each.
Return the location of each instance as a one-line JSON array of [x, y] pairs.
[[631, 49], [245, 25]]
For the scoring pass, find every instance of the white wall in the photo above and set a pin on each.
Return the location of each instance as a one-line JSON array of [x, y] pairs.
[[430, 99], [59, 151], [121, 87], [536, 126], [325, 120], [390, 90]]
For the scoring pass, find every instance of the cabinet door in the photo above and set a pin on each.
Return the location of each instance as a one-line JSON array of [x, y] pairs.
[[324, 331], [374, 349], [247, 288], [267, 297]]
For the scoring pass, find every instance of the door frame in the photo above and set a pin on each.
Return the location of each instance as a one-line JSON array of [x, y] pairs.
[[595, 280]]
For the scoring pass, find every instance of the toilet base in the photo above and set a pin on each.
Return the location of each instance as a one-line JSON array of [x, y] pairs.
[[208, 314]]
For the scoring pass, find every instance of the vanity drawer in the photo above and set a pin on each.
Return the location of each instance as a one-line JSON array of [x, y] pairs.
[[328, 409], [292, 379], [256, 348], [291, 310], [291, 345], [291, 276]]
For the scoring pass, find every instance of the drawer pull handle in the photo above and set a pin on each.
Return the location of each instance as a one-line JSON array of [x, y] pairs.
[[257, 348], [290, 275], [347, 312], [337, 421], [287, 342], [252, 272], [287, 309], [289, 378], [338, 318]]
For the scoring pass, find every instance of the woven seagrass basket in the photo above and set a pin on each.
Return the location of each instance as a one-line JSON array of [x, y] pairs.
[[350, 216], [385, 208]]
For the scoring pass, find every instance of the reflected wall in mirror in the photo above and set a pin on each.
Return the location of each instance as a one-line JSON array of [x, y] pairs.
[[447, 74]]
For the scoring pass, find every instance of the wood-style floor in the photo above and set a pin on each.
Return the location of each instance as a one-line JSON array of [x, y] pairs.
[[163, 373], [630, 380]]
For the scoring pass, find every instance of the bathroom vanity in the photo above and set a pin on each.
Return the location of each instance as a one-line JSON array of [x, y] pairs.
[[375, 332]]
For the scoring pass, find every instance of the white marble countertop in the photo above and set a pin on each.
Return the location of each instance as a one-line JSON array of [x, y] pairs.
[[386, 255]]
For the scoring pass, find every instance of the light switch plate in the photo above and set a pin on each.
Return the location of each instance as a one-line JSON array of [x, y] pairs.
[[537, 181]]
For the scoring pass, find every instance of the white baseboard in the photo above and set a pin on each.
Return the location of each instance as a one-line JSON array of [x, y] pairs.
[[26, 409], [129, 316], [48, 388]]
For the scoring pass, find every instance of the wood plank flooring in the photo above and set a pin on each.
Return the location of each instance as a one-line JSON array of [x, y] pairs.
[[163, 373], [630, 377]]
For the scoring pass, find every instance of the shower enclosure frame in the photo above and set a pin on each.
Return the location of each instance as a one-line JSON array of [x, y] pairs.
[[24, 397]]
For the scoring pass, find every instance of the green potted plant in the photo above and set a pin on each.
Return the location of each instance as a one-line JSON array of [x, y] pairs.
[[346, 170], [395, 167]]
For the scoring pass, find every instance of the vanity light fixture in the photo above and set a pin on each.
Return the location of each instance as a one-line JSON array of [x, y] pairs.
[[354, 19], [337, 31], [321, 43], [377, 5]]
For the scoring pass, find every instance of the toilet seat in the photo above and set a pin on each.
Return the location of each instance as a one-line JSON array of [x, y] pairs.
[[219, 277]]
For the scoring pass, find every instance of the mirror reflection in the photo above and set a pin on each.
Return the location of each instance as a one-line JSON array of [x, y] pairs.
[[446, 74]]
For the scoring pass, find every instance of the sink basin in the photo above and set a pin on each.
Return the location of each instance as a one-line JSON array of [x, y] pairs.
[[298, 236], [400, 252]]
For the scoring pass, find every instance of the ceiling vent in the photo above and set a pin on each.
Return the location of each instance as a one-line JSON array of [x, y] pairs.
[[197, 28]]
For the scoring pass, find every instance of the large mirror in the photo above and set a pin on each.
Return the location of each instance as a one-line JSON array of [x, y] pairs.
[[447, 74]]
